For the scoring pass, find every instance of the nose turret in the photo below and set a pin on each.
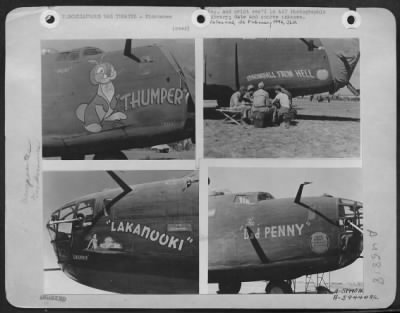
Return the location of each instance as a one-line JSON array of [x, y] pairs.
[[351, 236]]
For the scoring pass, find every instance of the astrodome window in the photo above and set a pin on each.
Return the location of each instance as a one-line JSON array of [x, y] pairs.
[[92, 51]]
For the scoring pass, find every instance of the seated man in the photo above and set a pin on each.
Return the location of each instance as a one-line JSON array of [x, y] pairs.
[[238, 102], [262, 103], [282, 101], [249, 96]]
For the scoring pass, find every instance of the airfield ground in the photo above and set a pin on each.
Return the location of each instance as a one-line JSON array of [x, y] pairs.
[[259, 287], [322, 130], [147, 154]]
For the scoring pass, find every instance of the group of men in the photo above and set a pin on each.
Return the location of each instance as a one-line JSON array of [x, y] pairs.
[[250, 101]]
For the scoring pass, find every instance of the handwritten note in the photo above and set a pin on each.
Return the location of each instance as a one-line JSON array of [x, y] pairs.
[[32, 159]]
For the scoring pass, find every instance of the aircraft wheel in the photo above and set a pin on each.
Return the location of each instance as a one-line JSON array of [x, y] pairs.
[[117, 155], [323, 290], [231, 287], [278, 287]]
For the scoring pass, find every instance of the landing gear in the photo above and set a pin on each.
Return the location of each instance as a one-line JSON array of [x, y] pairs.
[[230, 287], [116, 155], [323, 290], [277, 287]]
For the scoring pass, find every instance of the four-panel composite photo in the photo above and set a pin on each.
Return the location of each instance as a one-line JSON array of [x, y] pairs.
[[139, 231]]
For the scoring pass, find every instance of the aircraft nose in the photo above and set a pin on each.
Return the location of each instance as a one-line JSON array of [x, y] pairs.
[[343, 56], [351, 222]]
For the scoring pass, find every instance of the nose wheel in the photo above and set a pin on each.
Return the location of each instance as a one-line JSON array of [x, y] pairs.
[[231, 287], [279, 287]]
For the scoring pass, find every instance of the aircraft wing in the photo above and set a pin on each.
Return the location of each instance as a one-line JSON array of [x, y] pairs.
[[282, 270]]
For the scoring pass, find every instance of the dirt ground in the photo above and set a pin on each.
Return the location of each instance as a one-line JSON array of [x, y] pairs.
[[258, 287], [146, 154], [322, 130]]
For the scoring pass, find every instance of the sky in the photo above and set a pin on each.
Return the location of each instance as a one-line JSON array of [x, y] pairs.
[[62, 187], [284, 183]]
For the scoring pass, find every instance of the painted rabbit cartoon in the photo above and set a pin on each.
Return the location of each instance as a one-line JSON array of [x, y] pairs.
[[103, 104]]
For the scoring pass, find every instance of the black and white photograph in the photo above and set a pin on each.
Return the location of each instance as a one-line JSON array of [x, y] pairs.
[[282, 230], [281, 98], [200, 157], [131, 232], [118, 99]]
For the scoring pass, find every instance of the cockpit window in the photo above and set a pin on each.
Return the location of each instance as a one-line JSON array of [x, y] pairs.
[[242, 200], [264, 196], [350, 212], [66, 214], [73, 215], [68, 55], [252, 197], [86, 208]]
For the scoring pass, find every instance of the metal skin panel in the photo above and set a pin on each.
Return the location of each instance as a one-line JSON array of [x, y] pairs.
[[297, 239], [147, 242], [300, 65], [151, 95]]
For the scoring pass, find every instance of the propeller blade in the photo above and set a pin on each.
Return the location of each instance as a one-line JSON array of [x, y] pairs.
[[300, 191], [309, 43], [125, 190], [236, 68], [128, 51], [298, 198], [256, 246]]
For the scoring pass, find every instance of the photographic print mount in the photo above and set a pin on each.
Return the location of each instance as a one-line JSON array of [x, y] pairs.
[[347, 133]]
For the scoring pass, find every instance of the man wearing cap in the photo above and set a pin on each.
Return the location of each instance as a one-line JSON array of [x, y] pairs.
[[261, 101], [249, 96]]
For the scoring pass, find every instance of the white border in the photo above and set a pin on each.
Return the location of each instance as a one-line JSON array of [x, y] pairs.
[[378, 118]]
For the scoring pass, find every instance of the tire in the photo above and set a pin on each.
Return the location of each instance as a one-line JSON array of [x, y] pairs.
[[117, 155], [278, 287], [323, 290], [231, 287]]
